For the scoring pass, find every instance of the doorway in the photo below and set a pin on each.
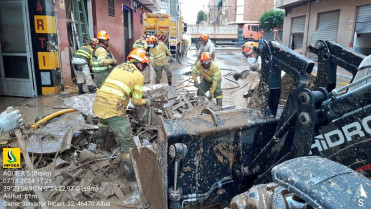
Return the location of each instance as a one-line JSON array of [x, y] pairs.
[[127, 29], [16, 65]]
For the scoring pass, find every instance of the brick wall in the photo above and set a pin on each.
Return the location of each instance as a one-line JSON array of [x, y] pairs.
[[254, 9], [113, 25]]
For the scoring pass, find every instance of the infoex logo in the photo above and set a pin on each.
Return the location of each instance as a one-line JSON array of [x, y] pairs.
[[11, 157], [338, 137]]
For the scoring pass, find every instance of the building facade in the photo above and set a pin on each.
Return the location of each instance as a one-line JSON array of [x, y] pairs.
[[39, 37], [224, 12], [346, 22], [171, 7]]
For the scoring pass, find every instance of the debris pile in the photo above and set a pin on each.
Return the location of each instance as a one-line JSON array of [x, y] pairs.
[[68, 166]]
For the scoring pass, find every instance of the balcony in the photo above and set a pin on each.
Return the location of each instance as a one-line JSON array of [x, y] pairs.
[[154, 5], [290, 3]]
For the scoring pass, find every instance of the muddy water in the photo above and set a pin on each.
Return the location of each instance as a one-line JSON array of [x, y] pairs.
[[230, 61]]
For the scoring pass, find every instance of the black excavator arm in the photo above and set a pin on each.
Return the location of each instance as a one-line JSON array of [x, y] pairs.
[[309, 114], [332, 123]]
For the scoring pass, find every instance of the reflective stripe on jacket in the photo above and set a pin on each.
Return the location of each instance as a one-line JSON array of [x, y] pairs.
[[85, 52], [124, 82], [140, 43], [101, 60], [212, 75], [158, 54]]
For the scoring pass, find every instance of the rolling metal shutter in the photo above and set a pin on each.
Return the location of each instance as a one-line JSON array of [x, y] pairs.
[[298, 24], [363, 23], [297, 31], [328, 24]]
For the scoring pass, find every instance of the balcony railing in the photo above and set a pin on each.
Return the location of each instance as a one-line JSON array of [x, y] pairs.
[[154, 5]]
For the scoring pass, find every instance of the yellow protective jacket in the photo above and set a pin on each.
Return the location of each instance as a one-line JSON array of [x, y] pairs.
[[124, 82], [158, 54], [212, 75], [102, 60], [140, 43]]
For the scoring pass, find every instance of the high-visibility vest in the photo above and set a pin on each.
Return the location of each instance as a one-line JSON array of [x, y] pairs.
[[84, 53]]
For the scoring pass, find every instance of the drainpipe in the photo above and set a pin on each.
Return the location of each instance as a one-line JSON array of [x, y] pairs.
[[306, 43]]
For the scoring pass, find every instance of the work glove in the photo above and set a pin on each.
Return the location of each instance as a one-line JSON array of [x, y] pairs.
[[211, 96], [171, 59], [253, 67], [148, 104], [114, 63], [196, 84], [10, 119]]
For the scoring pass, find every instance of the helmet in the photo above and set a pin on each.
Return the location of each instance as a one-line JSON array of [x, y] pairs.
[[248, 47], [151, 39], [94, 41], [139, 55], [205, 58], [102, 35], [204, 37]]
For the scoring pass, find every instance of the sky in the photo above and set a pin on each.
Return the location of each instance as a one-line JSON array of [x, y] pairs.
[[190, 9]]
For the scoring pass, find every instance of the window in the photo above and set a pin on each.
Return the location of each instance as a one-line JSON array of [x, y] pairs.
[[141, 18], [111, 8], [255, 28]]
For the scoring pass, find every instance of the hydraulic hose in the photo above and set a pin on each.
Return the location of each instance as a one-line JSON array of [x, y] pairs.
[[51, 116], [197, 197]]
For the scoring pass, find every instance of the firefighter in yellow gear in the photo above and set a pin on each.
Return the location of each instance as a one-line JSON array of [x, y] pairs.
[[158, 52], [211, 78], [81, 61], [102, 60], [124, 82], [141, 42]]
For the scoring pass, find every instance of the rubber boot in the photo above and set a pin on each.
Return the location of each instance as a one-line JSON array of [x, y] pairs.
[[102, 136], [128, 167], [91, 89], [81, 89], [169, 83], [219, 102]]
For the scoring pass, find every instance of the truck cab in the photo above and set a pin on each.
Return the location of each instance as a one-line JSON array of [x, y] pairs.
[[251, 32]]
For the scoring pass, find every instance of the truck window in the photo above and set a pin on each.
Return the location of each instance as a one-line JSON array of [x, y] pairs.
[[255, 28], [248, 28]]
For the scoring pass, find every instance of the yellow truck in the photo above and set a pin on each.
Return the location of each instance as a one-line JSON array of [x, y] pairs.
[[169, 30]]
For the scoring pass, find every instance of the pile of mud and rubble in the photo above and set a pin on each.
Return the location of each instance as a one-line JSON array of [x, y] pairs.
[[69, 169]]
